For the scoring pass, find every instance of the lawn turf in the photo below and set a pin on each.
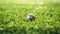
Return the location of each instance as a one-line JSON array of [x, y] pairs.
[[12, 19]]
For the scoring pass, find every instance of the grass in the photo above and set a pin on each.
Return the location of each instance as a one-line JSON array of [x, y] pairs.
[[12, 19]]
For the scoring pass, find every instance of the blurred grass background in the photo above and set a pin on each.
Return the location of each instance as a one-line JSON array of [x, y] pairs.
[[13, 12], [29, 1]]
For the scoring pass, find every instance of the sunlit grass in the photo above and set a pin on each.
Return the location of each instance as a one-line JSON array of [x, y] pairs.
[[12, 18], [29, 1]]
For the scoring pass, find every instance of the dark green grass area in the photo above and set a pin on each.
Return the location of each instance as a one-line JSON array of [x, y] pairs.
[[12, 19]]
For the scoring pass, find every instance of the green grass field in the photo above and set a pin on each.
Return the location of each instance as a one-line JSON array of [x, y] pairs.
[[12, 19]]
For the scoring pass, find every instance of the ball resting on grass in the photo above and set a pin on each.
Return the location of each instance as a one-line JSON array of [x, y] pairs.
[[30, 17]]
